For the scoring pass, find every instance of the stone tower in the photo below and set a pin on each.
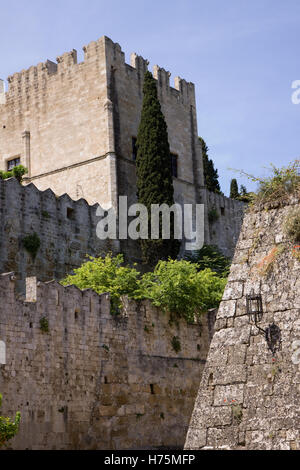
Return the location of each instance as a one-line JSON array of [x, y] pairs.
[[73, 125]]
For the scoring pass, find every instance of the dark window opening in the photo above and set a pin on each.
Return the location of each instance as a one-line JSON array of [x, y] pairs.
[[13, 163], [152, 389], [70, 213], [134, 148], [174, 165], [222, 210]]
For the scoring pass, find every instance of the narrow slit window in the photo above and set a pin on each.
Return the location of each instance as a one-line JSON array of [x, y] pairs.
[[174, 165], [70, 213]]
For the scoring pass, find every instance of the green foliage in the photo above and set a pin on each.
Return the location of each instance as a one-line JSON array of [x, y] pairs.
[[181, 289], [176, 344], [234, 189], [17, 172], [244, 195], [211, 177], [46, 214], [153, 169], [210, 257], [44, 325], [213, 215], [106, 275], [175, 286], [282, 183], [292, 226], [32, 244], [8, 428]]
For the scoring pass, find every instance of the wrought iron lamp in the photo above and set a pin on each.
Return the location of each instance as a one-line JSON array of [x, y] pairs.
[[254, 307], [272, 334]]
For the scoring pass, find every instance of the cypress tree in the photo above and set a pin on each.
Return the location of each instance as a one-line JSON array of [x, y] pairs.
[[154, 171], [211, 177], [234, 189]]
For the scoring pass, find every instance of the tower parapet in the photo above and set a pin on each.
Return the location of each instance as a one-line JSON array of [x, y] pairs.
[[2, 92]]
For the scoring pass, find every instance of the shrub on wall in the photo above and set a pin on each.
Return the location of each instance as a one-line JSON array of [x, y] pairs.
[[213, 215], [279, 186], [17, 172], [32, 244], [181, 289], [106, 275], [8, 428], [292, 226], [178, 287]]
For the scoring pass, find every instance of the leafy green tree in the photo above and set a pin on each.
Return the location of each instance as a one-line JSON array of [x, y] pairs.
[[17, 172], [210, 257], [211, 177], [106, 275], [154, 171], [244, 195], [179, 287], [234, 189], [8, 428], [243, 190]]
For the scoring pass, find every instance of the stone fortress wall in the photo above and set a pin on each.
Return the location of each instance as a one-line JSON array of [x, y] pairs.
[[72, 126], [72, 123], [224, 228], [248, 398], [54, 118], [66, 229], [95, 380]]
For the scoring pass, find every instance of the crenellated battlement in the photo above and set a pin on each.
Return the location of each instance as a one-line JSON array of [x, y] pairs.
[[66, 230], [102, 49], [83, 378], [78, 114], [2, 92], [51, 293]]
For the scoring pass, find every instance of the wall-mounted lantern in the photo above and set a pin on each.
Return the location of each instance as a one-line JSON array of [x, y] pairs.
[[254, 307], [272, 334]]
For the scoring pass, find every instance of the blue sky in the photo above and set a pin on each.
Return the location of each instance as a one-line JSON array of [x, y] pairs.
[[242, 56]]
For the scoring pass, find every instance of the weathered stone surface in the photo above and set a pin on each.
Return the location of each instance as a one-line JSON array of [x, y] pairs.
[[66, 230], [80, 120], [96, 381], [260, 388]]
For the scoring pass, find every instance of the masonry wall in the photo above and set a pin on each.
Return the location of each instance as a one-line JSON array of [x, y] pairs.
[[55, 117], [178, 105], [224, 221], [96, 381], [66, 229], [65, 119], [248, 397]]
